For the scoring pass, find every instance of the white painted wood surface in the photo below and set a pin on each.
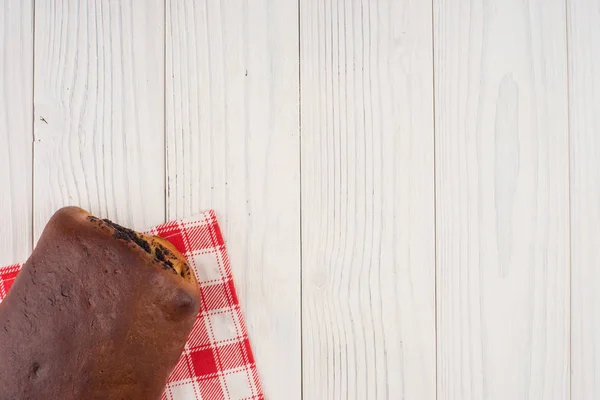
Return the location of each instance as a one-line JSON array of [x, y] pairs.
[[233, 145], [584, 101], [392, 176], [99, 110], [367, 200], [16, 109], [502, 204]]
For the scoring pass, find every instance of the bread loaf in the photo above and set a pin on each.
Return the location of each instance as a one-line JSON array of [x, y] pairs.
[[97, 312]]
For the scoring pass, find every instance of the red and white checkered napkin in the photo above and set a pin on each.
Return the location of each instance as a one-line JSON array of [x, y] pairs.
[[217, 362]]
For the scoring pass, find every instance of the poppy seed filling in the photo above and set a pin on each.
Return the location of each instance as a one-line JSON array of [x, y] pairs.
[[129, 235]]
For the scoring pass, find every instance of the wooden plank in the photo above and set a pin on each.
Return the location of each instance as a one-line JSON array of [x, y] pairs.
[[16, 102], [584, 101], [233, 145], [367, 200], [99, 110], [502, 200]]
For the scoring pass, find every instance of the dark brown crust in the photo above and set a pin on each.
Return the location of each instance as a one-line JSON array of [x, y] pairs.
[[92, 317]]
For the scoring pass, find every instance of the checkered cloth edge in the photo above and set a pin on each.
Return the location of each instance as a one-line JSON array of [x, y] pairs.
[[217, 362]]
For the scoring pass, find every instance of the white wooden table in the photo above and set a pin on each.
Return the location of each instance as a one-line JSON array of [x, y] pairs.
[[410, 190]]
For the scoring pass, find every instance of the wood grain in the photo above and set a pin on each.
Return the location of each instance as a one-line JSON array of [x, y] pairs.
[[233, 145], [502, 199], [99, 109], [367, 200], [584, 100], [16, 87], [340, 241]]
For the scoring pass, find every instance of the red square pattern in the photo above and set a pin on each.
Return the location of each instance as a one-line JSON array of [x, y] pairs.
[[7, 277], [204, 369], [203, 362]]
